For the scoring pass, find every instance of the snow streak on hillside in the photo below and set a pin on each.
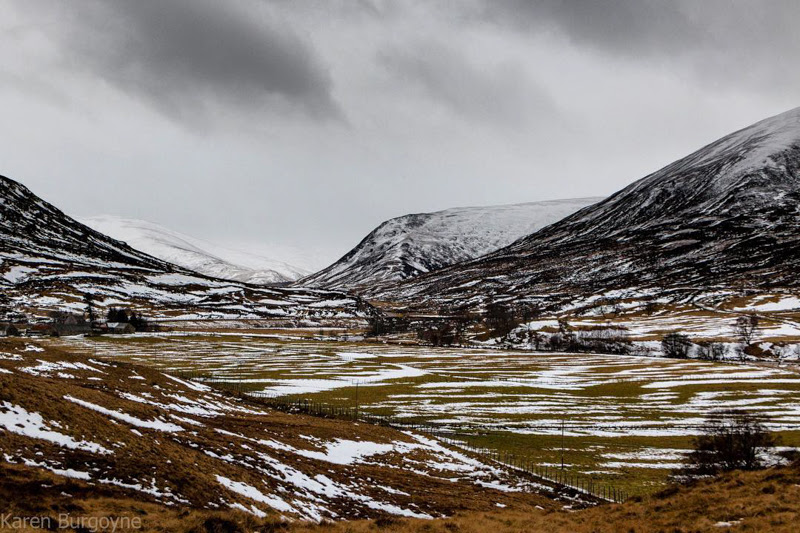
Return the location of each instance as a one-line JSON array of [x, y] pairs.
[[195, 254], [407, 246], [724, 218]]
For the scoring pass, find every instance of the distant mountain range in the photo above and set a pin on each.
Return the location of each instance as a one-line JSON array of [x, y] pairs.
[[193, 253], [724, 218], [408, 246], [49, 261]]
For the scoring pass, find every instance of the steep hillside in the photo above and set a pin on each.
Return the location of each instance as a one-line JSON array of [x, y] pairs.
[[724, 218], [49, 261], [195, 254], [103, 428], [407, 246]]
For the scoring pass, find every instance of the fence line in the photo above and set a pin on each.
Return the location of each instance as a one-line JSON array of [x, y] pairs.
[[556, 476]]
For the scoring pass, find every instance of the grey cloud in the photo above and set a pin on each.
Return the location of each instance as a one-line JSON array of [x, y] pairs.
[[720, 41], [191, 58], [497, 93], [629, 27]]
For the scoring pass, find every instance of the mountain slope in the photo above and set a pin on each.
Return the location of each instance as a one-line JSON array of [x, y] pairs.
[[195, 254], [407, 246], [723, 217], [49, 261]]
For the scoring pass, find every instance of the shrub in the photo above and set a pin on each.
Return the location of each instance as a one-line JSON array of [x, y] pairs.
[[732, 440]]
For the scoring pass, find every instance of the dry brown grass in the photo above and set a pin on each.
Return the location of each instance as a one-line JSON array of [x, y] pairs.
[[228, 444], [755, 501]]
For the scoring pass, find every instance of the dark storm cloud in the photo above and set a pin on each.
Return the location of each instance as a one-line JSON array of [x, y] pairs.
[[185, 56], [496, 93], [628, 27], [754, 43]]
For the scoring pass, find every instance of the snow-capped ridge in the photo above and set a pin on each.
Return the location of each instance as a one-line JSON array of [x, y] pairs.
[[405, 247], [725, 215], [193, 253]]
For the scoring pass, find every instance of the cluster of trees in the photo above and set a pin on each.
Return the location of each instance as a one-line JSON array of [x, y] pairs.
[[446, 332], [501, 318], [127, 316], [679, 346], [595, 340], [676, 345], [380, 324]]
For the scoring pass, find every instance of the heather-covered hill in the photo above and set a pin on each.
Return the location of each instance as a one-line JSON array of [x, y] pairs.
[[721, 220]]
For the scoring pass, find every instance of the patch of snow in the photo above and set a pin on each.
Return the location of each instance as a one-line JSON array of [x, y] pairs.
[[156, 424], [16, 419]]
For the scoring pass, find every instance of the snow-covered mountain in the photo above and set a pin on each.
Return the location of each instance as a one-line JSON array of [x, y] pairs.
[[725, 216], [49, 261], [195, 254], [407, 246]]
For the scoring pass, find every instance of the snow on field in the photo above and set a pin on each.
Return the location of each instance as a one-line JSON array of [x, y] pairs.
[[784, 303], [347, 452], [156, 424], [152, 490], [16, 419], [309, 488], [660, 401], [309, 386], [199, 387], [624, 464]]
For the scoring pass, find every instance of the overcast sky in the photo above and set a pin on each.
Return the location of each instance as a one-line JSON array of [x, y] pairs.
[[306, 123]]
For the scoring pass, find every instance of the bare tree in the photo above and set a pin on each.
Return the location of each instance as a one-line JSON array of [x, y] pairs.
[[746, 329], [711, 351], [676, 345], [730, 440]]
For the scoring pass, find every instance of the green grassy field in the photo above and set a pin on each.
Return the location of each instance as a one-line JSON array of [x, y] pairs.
[[626, 420]]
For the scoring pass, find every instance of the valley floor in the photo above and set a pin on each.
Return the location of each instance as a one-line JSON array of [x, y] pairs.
[[622, 421], [112, 427]]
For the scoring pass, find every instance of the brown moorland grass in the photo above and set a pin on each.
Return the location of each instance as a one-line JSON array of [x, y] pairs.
[[173, 443], [767, 500]]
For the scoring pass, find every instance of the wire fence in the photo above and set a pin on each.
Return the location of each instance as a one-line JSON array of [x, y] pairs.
[[570, 483]]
